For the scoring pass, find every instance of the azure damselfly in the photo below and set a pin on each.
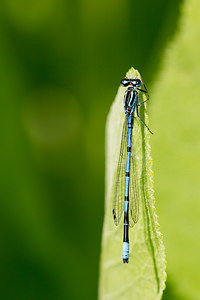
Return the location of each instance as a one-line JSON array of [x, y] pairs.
[[126, 193]]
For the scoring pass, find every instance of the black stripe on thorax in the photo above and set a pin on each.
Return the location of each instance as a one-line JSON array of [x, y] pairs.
[[128, 149]]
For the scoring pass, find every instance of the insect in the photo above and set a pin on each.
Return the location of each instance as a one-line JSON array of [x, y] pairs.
[[126, 193]]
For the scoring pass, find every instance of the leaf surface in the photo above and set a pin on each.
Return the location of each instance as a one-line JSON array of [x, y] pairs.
[[144, 276]]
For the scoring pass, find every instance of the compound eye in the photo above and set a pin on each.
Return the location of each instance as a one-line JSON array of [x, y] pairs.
[[138, 82], [125, 82]]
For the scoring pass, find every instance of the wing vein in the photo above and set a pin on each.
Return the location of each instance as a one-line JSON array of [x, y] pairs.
[[119, 182]]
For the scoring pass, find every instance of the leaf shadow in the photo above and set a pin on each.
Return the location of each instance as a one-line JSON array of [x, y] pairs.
[[151, 240]]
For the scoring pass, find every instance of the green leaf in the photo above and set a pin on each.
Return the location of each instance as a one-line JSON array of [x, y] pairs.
[[176, 147], [144, 276]]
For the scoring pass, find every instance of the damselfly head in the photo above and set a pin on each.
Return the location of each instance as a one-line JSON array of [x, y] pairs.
[[131, 82]]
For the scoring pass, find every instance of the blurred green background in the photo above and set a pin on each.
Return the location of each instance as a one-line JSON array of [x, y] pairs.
[[61, 62]]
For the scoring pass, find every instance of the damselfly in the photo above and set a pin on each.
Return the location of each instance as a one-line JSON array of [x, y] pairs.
[[126, 192]]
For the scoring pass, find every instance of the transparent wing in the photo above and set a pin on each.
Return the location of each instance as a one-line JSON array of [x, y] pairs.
[[119, 182], [135, 193]]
